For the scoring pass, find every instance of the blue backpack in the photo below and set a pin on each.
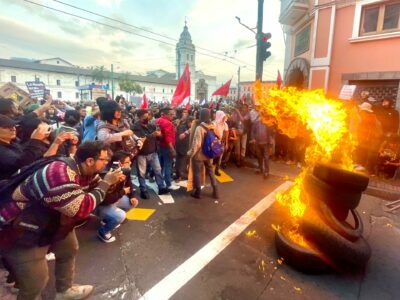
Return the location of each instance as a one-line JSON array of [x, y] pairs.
[[212, 146]]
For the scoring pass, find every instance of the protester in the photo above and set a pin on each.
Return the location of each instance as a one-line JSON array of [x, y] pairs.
[[198, 158], [260, 137], [222, 131], [182, 145], [167, 145], [119, 198], [147, 155]]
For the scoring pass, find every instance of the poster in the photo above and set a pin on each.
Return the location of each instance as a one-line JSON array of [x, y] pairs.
[[347, 92], [36, 89]]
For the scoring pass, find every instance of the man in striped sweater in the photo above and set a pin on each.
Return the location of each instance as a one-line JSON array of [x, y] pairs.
[[66, 194]]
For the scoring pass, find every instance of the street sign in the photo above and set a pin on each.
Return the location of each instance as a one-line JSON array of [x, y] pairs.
[[347, 92], [36, 89]]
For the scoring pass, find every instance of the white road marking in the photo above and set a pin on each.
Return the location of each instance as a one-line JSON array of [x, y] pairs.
[[186, 271], [165, 199]]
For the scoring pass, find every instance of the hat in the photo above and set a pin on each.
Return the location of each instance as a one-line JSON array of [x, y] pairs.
[[366, 106], [6, 122]]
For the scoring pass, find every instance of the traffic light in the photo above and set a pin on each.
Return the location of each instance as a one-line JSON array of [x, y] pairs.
[[264, 45]]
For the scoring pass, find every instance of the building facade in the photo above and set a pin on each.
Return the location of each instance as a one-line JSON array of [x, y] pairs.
[[68, 82], [332, 43]]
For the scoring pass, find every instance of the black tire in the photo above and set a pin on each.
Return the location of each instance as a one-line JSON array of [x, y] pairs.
[[297, 256], [342, 227], [346, 254], [332, 196], [340, 178]]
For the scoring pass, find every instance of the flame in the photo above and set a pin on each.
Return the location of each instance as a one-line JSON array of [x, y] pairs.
[[310, 115]]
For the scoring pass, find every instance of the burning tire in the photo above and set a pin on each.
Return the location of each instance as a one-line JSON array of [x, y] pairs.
[[331, 195], [301, 258], [342, 227], [340, 178], [342, 251]]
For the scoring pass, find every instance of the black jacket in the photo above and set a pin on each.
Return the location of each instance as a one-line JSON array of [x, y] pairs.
[[15, 156], [150, 144]]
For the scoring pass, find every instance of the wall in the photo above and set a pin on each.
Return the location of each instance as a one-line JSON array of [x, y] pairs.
[[367, 56]]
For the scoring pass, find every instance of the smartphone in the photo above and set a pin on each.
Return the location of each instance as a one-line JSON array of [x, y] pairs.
[[115, 165]]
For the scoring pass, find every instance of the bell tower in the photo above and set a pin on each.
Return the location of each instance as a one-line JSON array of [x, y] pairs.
[[185, 53]]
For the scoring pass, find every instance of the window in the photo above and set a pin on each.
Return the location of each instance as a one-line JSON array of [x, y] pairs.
[[172, 91], [144, 89], [187, 56], [380, 18], [302, 43], [58, 82], [59, 95], [77, 83], [58, 62], [163, 91], [77, 95], [14, 79], [191, 57]]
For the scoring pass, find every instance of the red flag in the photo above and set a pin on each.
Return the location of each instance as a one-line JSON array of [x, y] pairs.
[[211, 106], [182, 90], [243, 99], [223, 90], [187, 106], [144, 102], [279, 80]]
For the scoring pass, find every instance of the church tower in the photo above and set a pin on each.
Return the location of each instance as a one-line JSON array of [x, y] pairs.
[[185, 53]]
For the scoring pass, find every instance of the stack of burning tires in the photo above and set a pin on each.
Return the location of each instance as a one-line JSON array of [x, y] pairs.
[[331, 230]]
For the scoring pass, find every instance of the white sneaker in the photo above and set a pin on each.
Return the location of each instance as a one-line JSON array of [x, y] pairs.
[[76, 292], [106, 238], [174, 187]]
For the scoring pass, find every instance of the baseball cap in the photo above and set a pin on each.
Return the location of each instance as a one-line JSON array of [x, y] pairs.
[[6, 122]]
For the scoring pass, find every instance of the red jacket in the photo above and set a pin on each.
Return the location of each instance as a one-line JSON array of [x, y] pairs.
[[167, 130]]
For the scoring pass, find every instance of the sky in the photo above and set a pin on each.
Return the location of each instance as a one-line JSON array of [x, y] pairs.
[[35, 32]]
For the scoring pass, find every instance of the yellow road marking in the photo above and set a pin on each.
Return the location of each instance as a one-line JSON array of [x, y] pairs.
[[139, 214], [224, 177]]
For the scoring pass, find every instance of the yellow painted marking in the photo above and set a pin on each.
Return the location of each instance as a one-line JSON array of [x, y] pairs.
[[224, 177], [139, 214]]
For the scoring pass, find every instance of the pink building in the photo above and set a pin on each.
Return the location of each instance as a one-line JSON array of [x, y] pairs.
[[332, 43]]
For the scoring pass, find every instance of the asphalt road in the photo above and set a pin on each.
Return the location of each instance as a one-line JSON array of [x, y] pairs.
[[147, 251]]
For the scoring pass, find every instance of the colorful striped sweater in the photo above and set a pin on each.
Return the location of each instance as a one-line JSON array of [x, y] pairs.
[[60, 188]]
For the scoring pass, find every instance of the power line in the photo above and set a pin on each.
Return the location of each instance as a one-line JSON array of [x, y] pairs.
[[118, 28], [152, 32]]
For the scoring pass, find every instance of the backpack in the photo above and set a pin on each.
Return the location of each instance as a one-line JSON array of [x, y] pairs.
[[9, 209], [212, 146]]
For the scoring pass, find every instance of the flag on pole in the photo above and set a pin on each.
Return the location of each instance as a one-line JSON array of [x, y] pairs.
[[279, 80], [223, 90], [182, 90], [144, 104], [211, 106]]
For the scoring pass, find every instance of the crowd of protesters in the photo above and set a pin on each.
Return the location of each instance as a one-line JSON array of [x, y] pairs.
[[107, 143]]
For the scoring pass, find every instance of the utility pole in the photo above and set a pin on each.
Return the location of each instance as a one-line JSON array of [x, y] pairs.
[[259, 61], [238, 85], [112, 81]]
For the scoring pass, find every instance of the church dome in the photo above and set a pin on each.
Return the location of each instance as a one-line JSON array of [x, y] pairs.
[[185, 37]]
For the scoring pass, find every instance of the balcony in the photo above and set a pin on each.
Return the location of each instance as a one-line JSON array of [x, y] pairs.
[[292, 11]]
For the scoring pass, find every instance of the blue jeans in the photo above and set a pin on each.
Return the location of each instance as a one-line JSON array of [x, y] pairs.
[[113, 214], [141, 165], [166, 165]]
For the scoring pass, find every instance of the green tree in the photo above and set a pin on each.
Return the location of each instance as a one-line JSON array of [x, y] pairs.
[[129, 86], [99, 74]]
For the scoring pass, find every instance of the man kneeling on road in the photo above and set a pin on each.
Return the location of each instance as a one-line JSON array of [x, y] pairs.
[[59, 195]]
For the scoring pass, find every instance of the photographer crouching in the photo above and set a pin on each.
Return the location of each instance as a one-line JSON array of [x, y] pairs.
[[47, 206]]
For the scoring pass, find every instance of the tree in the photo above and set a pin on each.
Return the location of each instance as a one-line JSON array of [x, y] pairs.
[[98, 74], [129, 86]]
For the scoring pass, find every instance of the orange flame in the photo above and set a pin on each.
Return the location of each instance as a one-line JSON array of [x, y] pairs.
[[307, 114]]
